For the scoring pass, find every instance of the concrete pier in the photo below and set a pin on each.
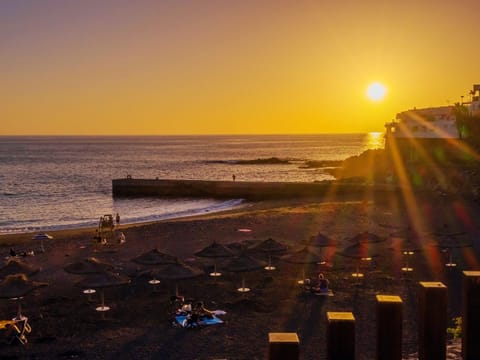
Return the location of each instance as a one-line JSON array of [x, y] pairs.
[[249, 190]]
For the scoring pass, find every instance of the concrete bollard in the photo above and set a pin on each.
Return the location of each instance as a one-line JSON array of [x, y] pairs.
[[283, 346], [432, 321], [340, 336], [471, 315], [389, 327]]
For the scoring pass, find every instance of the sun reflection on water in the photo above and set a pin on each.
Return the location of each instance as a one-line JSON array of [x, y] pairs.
[[375, 140]]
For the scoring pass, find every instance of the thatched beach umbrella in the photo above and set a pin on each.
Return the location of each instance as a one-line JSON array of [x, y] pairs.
[[17, 286], [154, 257], [410, 243], [303, 256], [101, 281], [360, 251], [241, 246], [320, 240], [323, 242], [90, 265], [42, 237], [177, 271], [15, 266], [214, 251], [366, 237], [244, 263], [449, 241], [269, 246]]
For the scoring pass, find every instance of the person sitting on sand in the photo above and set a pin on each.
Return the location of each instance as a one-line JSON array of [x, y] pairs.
[[322, 285], [201, 312], [121, 238]]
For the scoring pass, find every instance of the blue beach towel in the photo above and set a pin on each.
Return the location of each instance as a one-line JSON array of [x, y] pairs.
[[182, 320]]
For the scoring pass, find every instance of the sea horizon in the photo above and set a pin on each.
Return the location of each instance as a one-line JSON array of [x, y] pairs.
[[63, 182]]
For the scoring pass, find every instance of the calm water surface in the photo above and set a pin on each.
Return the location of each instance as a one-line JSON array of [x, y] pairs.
[[49, 183]]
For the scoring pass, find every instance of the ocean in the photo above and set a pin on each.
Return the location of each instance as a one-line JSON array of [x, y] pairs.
[[62, 182]]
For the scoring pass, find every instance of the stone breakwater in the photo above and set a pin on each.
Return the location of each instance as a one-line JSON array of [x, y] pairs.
[[249, 190]]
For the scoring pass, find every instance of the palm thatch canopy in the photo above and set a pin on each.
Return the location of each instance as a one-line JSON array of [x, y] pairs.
[[215, 250], [320, 240], [103, 280], [362, 250], [303, 256], [177, 271], [90, 265], [15, 266], [244, 263], [366, 237], [155, 257], [270, 246], [449, 241], [18, 285]]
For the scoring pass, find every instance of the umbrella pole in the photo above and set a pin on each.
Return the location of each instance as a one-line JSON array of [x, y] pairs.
[[243, 289], [154, 282], [450, 259], [215, 274], [102, 308], [41, 246], [19, 311], [357, 274], [269, 267], [89, 292]]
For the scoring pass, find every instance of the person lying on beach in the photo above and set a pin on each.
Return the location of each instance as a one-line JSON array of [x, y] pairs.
[[201, 312]]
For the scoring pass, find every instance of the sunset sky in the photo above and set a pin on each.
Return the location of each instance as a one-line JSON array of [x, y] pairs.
[[229, 67]]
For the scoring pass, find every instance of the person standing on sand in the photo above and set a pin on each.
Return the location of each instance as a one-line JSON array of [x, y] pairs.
[[117, 218], [233, 177]]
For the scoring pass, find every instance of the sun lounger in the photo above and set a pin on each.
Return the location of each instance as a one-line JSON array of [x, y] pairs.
[[15, 329]]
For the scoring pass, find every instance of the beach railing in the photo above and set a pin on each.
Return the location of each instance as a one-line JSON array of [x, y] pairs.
[[471, 315], [432, 326]]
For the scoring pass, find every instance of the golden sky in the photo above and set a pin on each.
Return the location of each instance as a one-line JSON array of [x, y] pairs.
[[229, 67]]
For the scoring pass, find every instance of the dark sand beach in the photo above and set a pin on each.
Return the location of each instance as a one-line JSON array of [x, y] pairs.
[[139, 325]]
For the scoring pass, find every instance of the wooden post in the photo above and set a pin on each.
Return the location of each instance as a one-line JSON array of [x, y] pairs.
[[432, 321], [389, 327], [283, 346], [340, 336], [471, 315]]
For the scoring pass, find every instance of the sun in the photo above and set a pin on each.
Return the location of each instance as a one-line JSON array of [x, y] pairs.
[[376, 91]]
